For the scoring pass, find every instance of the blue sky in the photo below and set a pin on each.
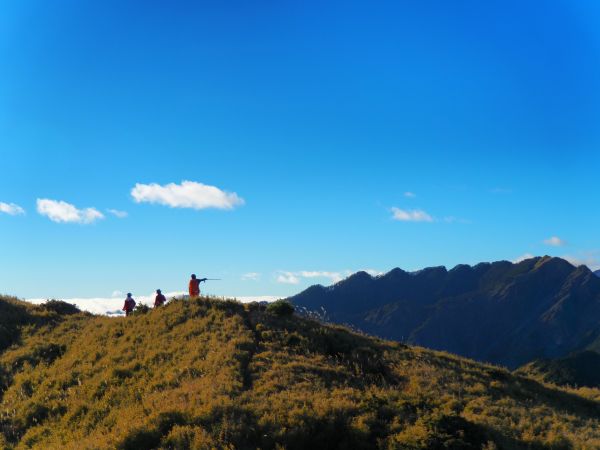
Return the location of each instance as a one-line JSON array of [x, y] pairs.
[[335, 137]]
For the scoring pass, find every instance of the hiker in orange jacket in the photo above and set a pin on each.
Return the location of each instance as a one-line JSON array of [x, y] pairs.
[[160, 299], [129, 305], [194, 286]]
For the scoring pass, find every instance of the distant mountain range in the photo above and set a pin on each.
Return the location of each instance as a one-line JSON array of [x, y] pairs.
[[502, 312]]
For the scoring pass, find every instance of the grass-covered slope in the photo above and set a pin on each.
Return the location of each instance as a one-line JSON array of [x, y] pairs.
[[578, 369], [218, 374]]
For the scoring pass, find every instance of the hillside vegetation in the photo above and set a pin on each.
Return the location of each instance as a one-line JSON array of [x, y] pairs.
[[500, 312], [218, 374], [578, 369]]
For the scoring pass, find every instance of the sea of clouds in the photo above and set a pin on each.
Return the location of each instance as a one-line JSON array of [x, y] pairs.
[[112, 306]]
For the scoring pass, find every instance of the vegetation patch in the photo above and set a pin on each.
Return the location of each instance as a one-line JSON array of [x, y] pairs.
[[208, 373]]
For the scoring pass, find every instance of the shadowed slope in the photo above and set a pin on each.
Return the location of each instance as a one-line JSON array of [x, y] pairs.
[[499, 312], [579, 369]]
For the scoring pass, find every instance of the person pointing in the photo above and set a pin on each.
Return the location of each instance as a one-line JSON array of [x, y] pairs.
[[194, 286]]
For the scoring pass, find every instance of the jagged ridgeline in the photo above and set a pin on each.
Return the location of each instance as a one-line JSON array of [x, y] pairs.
[[218, 374], [503, 313]]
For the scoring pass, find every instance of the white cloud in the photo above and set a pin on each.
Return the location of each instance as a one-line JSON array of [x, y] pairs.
[[334, 277], [554, 241], [188, 194], [409, 194], [117, 213], [415, 215], [523, 258], [258, 298], [251, 276], [11, 209], [112, 306], [295, 277], [501, 190], [63, 212], [373, 272], [287, 278]]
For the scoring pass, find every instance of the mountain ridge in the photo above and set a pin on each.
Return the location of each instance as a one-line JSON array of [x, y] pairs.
[[501, 312]]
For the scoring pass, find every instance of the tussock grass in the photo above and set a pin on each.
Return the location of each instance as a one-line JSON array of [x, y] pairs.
[[218, 374]]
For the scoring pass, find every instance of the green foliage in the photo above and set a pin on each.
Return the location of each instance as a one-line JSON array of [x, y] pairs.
[[141, 308], [205, 374], [281, 308], [60, 307]]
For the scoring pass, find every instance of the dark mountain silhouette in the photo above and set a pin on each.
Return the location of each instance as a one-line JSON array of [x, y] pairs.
[[502, 312], [579, 369], [597, 272]]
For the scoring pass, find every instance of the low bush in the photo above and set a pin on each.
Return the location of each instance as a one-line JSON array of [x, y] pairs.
[[281, 308]]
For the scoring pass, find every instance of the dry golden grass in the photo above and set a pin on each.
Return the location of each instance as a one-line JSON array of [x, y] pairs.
[[217, 374]]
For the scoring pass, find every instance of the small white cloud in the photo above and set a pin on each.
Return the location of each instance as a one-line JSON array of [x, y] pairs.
[[501, 190], [117, 294], [11, 209], [63, 212], [287, 278], [333, 276], [117, 213], [373, 272], [251, 276], [523, 258], [188, 194], [415, 215], [409, 194], [554, 241]]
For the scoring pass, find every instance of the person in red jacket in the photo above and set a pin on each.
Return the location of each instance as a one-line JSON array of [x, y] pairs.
[[194, 286], [160, 299], [129, 305]]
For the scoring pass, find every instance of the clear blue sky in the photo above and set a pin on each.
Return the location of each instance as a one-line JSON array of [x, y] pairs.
[[321, 116]]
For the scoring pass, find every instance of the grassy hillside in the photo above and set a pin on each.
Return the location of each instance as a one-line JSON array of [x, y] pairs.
[[578, 369], [218, 374]]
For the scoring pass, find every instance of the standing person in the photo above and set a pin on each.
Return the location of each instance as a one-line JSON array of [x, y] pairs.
[[160, 299], [194, 286], [129, 304]]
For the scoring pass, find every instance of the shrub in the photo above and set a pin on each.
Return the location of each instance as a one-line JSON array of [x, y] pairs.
[[140, 308], [140, 439], [281, 308], [60, 307]]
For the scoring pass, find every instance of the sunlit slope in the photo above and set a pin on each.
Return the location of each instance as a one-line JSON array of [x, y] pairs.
[[208, 373]]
